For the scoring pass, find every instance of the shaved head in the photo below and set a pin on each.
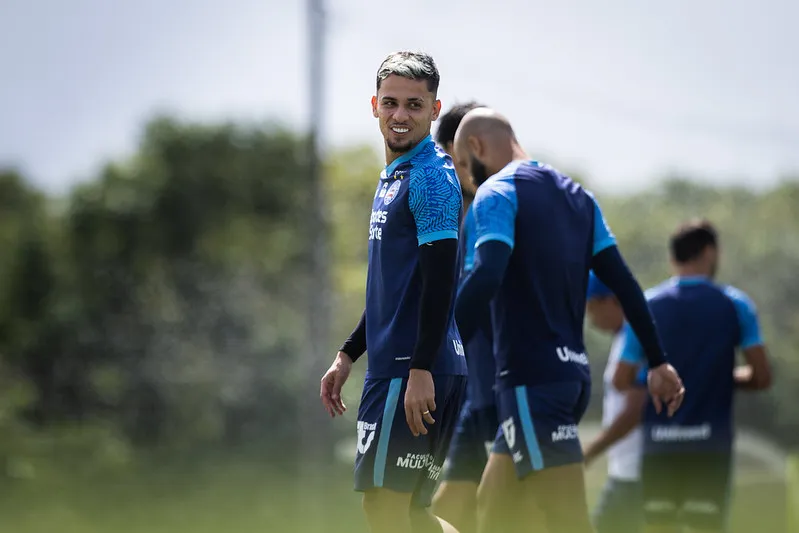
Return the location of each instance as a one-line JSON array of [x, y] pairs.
[[485, 143], [486, 123]]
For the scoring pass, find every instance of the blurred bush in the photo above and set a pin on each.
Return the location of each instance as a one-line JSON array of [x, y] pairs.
[[163, 303]]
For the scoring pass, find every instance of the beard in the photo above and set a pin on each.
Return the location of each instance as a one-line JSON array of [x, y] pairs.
[[479, 171], [401, 147]]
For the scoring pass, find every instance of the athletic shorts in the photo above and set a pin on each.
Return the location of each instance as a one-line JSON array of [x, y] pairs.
[[692, 489], [471, 444], [538, 424], [388, 455], [619, 509]]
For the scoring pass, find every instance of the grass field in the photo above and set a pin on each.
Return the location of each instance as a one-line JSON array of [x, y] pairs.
[[245, 496]]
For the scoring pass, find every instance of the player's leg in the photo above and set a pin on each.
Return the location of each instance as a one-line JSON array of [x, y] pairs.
[[389, 460], [619, 507], [501, 506], [662, 477], [705, 507], [450, 392], [456, 497], [541, 433], [456, 502], [387, 510]]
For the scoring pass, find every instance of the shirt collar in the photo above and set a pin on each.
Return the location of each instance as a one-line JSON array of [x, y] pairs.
[[407, 156], [685, 281]]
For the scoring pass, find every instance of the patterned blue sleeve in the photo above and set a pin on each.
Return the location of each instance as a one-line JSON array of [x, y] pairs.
[[631, 350], [747, 318], [603, 237], [495, 206], [434, 197]]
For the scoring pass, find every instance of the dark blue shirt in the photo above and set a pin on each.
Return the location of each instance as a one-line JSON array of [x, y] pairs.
[[479, 350], [417, 201], [701, 325], [554, 228]]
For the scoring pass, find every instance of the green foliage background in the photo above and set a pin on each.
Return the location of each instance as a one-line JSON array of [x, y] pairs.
[[156, 315]]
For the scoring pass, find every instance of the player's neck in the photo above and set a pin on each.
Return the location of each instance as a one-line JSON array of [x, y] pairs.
[[692, 271], [509, 154], [518, 153], [467, 201]]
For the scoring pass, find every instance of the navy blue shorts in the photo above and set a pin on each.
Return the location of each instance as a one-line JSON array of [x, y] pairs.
[[688, 488], [619, 509], [388, 455], [474, 436], [538, 424]]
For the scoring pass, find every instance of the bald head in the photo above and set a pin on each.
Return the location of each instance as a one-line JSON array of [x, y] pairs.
[[485, 123], [485, 142]]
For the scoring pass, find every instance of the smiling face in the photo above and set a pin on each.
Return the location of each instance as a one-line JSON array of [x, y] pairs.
[[405, 109]]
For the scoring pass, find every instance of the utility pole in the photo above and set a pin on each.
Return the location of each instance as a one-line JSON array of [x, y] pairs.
[[317, 446]]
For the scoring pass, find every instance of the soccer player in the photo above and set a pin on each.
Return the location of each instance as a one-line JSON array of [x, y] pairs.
[[456, 498], [416, 376], [686, 466], [619, 508], [538, 235]]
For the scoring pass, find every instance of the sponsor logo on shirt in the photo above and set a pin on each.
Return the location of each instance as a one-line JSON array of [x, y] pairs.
[[681, 433], [569, 356], [376, 222]]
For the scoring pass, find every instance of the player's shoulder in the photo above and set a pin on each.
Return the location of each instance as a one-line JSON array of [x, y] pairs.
[[496, 193], [434, 182], [500, 184], [662, 290], [737, 296]]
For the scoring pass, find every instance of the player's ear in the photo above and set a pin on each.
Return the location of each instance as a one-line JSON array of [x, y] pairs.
[[374, 106], [475, 146], [436, 109]]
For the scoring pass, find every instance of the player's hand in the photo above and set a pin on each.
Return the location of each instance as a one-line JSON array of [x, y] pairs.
[[333, 381], [665, 386], [420, 401]]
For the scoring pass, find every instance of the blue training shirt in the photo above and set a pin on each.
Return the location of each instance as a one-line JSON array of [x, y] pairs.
[[554, 228], [417, 201], [701, 325], [479, 350]]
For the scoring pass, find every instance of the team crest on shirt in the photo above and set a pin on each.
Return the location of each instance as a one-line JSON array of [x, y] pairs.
[[391, 193]]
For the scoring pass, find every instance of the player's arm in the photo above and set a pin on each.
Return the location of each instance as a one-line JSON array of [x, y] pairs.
[[355, 345], [610, 267], [494, 209], [630, 371], [756, 373], [622, 425], [435, 202]]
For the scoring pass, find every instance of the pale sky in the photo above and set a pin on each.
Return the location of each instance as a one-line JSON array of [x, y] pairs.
[[622, 91]]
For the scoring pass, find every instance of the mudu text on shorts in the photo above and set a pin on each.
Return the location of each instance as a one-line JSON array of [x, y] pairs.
[[420, 461], [567, 432]]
